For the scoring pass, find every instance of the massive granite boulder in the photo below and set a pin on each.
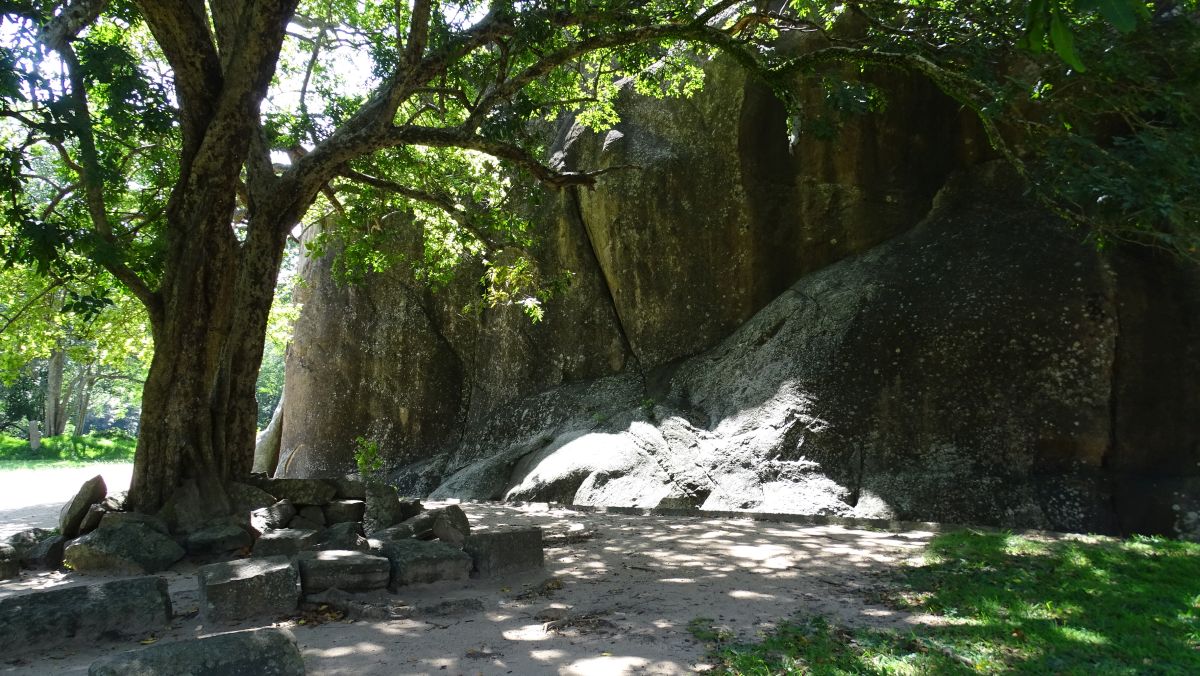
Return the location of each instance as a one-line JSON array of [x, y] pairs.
[[709, 212], [987, 367], [879, 324]]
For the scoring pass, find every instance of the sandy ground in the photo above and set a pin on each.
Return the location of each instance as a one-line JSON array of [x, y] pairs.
[[618, 591], [32, 497]]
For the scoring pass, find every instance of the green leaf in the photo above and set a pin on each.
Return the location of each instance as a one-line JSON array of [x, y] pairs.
[[1122, 14], [1035, 27], [1064, 42]]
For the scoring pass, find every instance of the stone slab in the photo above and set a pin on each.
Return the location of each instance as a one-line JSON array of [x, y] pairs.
[[422, 562], [262, 652], [285, 542], [343, 569], [217, 539], [39, 620], [235, 590], [300, 491], [72, 514], [505, 550], [345, 511], [132, 548]]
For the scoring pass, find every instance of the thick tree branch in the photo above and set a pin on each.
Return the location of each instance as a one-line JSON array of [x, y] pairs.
[[70, 21], [418, 32], [180, 28]]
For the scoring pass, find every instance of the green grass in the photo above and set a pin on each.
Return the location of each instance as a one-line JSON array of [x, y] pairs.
[[64, 451], [1012, 605]]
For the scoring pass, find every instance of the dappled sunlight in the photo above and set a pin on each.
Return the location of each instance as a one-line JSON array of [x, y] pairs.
[[747, 595], [625, 589], [529, 632], [362, 648], [547, 655], [605, 665]]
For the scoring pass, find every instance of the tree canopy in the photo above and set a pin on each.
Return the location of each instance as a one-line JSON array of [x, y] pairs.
[[171, 147]]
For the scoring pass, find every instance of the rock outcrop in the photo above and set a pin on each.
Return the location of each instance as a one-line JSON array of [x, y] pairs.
[[774, 324]]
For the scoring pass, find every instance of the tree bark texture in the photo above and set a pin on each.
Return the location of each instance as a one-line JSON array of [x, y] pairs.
[[210, 312], [83, 398], [56, 415]]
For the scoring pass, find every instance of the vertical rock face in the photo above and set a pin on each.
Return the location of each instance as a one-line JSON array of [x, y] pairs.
[[755, 323], [712, 213]]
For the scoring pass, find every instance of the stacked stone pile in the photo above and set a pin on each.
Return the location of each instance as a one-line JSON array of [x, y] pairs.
[[284, 540]]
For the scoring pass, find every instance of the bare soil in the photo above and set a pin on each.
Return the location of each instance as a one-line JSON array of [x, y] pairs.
[[615, 597]]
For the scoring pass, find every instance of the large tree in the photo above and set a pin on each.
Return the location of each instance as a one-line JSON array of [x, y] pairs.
[[189, 138]]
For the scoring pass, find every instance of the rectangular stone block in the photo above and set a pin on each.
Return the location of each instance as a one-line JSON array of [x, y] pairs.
[[344, 569], [507, 550], [132, 607], [344, 511], [264, 652], [244, 588], [284, 542], [422, 562]]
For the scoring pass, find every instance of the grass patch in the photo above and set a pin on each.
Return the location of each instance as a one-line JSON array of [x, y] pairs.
[[1013, 605], [64, 451]]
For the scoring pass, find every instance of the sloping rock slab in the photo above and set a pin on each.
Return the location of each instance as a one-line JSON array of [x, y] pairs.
[[247, 498], [45, 555], [10, 562], [420, 562], [72, 514], [509, 550], [125, 548], [277, 515], [239, 589], [264, 652], [28, 539], [346, 570], [44, 619]]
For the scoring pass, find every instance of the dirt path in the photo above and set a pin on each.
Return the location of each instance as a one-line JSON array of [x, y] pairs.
[[31, 498], [627, 595]]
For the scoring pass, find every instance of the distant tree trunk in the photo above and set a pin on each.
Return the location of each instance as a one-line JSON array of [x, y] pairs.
[[266, 446], [83, 397], [35, 435], [56, 416]]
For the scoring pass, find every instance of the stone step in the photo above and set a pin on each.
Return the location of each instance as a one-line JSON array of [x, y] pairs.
[[342, 569], [422, 562], [235, 590], [132, 607]]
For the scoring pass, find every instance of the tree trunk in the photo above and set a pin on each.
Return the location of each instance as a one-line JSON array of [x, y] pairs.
[[83, 397], [198, 407], [266, 446], [56, 415]]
